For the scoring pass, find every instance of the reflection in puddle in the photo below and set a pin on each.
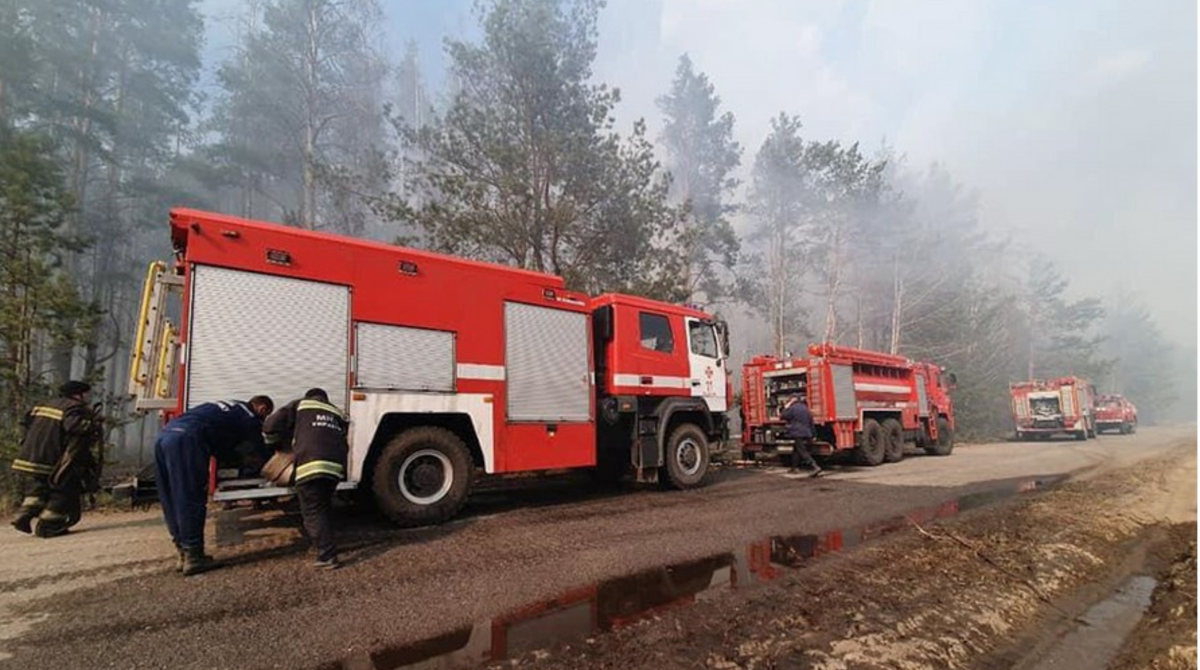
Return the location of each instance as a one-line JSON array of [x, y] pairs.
[[612, 604]]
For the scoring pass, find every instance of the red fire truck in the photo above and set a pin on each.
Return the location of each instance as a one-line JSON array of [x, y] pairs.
[[1114, 412], [447, 368], [1046, 407], [871, 404]]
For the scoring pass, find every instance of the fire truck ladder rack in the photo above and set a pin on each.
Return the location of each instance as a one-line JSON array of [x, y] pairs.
[[156, 345]]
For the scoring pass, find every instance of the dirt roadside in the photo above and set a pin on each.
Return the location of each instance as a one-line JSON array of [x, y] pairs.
[[927, 601]]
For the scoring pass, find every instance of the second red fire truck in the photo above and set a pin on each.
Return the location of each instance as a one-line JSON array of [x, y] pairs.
[[867, 403], [1046, 407], [447, 368]]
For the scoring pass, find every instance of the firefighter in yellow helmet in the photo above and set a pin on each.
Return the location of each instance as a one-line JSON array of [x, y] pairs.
[[56, 461], [318, 440]]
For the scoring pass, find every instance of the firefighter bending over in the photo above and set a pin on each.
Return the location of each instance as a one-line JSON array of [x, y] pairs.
[[56, 461], [182, 452], [318, 432]]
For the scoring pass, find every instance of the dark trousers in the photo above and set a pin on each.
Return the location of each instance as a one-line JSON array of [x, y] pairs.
[[182, 461], [801, 457], [56, 508], [316, 508]]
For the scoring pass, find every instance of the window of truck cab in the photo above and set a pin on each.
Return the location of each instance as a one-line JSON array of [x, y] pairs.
[[655, 332], [703, 339]]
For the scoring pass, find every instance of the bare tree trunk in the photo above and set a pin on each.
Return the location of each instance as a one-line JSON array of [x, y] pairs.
[[834, 287], [897, 307], [312, 59]]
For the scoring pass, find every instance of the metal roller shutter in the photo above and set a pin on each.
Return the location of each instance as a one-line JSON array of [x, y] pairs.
[[253, 333], [394, 357], [843, 391], [547, 361]]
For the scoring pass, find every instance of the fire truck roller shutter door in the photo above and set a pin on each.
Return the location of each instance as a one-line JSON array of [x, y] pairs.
[[411, 359], [843, 391], [254, 333], [547, 363]]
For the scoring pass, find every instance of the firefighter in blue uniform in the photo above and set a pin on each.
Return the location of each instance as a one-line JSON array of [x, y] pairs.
[[801, 431], [317, 432], [56, 461], [182, 452]]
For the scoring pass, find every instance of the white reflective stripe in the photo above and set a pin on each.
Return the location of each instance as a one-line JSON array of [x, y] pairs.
[[881, 388], [481, 371], [656, 381]]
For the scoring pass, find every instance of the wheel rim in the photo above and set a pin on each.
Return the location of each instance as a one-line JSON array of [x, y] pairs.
[[425, 477], [687, 456]]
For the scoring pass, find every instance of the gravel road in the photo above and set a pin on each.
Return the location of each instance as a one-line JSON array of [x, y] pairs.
[[106, 596]]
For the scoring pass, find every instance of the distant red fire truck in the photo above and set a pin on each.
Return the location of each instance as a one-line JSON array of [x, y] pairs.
[[447, 368], [868, 403], [1114, 412], [1046, 407]]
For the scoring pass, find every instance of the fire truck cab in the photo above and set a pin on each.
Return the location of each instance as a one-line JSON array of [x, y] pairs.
[[1114, 412], [448, 369]]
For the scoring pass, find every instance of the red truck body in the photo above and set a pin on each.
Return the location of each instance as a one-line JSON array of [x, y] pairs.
[[869, 403], [1114, 412], [446, 367], [1046, 407]]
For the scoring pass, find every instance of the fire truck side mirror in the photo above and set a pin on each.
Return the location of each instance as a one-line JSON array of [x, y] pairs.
[[951, 380]]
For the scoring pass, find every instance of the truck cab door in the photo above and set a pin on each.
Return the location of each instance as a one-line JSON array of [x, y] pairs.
[[706, 364]]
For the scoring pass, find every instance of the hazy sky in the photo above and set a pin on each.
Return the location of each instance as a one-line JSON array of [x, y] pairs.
[[1075, 120]]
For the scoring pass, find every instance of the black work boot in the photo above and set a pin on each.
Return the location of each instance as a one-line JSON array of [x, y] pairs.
[[180, 557], [196, 561], [50, 528], [23, 523]]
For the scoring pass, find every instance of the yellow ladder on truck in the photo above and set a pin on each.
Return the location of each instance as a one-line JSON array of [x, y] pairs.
[[156, 345]]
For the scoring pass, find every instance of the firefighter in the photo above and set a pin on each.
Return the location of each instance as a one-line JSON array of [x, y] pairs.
[[182, 452], [800, 429], [318, 442], [56, 461]]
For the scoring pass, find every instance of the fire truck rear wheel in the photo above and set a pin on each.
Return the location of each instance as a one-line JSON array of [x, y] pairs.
[[423, 477], [893, 441], [870, 449], [945, 442], [687, 457]]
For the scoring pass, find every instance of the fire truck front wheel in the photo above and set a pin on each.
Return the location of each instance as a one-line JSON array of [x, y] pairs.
[[687, 457], [945, 440], [423, 477]]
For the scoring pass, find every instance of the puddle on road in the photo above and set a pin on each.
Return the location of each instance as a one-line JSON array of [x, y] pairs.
[[615, 603], [1109, 623]]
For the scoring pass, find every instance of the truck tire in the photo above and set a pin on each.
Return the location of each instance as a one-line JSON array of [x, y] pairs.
[[1081, 435], [1133, 427], [423, 477], [893, 441], [687, 456], [945, 442], [870, 449], [1021, 437]]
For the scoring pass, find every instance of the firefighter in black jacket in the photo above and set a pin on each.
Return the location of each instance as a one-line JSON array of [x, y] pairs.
[[56, 461], [800, 429], [318, 432]]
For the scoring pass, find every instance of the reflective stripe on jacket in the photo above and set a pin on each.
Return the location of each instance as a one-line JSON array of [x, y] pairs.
[[317, 432]]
